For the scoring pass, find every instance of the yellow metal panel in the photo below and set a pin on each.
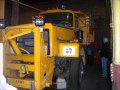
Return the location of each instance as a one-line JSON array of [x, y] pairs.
[[48, 81], [37, 57], [58, 34], [17, 66], [23, 26], [20, 83], [69, 50], [24, 57], [15, 47], [44, 65], [52, 37], [19, 34], [80, 13], [57, 10], [65, 33], [13, 33]]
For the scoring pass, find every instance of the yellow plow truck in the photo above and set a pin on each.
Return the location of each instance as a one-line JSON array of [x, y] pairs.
[[46, 50]]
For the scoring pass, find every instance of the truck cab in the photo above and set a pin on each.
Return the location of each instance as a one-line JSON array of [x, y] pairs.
[[74, 20]]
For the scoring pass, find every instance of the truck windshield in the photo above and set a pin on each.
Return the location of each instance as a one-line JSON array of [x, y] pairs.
[[60, 18]]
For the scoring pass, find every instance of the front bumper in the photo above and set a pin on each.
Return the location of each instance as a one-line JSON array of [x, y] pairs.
[[22, 83]]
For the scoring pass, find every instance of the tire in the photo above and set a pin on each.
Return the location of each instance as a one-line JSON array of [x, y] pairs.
[[76, 74]]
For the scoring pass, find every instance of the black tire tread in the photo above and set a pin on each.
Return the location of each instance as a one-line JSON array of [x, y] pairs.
[[74, 74]]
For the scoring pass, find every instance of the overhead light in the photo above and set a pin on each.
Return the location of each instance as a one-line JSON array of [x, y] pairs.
[[1, 24]]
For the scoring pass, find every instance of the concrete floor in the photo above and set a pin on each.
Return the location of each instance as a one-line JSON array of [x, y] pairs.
[[92, 80]]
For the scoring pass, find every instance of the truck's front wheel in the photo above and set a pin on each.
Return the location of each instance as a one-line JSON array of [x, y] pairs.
[[76, 73]]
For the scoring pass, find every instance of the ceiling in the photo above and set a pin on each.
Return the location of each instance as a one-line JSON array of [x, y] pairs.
[[40, 1], [43, 1], [87, 6]]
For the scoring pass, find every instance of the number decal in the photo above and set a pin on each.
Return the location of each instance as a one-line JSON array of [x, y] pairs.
[[68, 50]]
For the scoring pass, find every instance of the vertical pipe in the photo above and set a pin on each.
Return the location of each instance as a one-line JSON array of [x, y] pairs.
[[116, 31], [37, 58]]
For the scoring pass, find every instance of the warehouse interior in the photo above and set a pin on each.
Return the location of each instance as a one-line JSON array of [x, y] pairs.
[[19, 12], [99, 11]]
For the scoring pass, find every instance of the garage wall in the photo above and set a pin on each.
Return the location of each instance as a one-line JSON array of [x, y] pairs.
[[26, 14], [8, 12]]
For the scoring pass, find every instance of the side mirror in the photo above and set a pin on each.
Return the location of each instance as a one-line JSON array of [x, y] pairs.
[[79, 35]]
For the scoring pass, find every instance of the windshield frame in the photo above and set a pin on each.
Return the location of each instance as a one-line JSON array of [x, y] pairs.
[[60, 11]]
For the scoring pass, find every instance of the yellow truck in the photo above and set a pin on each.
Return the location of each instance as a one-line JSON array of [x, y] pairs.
[[49, 48]]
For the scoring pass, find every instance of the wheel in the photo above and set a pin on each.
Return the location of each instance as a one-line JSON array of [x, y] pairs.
[[76, 74]]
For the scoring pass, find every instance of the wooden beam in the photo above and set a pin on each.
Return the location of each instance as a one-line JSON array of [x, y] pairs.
[[15, 13], [2, 8], [17, 1]]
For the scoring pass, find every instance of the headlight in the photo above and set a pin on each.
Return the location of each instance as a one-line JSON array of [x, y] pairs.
[[38, 20], [22, 67]]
